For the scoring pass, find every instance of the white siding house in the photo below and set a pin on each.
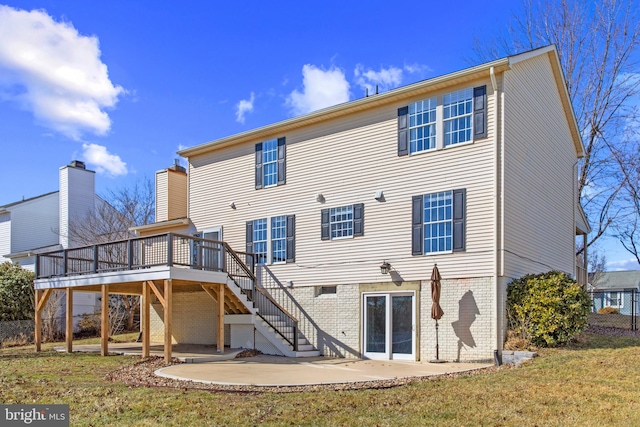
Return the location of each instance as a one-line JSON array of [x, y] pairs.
[[473, 171], [41, 224]]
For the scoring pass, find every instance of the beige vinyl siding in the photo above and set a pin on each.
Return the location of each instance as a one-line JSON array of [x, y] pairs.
[[539, 158], [348, 160], [162, 195]]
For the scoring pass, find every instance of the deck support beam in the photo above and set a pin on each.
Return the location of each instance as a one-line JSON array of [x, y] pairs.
[[146, 320], [104, 322], [41, 298], [168, 303], [220, 344], [69, 321]]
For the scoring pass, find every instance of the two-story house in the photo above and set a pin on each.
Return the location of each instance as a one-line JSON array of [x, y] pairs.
[[41, 224], [474, 171]]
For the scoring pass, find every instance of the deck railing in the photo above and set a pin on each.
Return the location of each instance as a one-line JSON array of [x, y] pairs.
[[170, 249]]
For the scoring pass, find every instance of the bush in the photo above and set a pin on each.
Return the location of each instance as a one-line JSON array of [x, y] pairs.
[[547, 309], [16, 292], [608, 310]]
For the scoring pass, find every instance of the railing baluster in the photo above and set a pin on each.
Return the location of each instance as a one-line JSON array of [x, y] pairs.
[[169, 250]]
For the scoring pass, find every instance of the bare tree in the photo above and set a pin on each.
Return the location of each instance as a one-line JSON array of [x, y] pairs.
[[628, 230], [114, 214], [597, 41]]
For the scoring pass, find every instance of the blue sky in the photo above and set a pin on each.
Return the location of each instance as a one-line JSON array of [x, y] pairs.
[[124, 85]]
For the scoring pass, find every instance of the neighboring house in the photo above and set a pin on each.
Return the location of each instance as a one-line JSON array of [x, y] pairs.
[[617, 289], [41, 224], [475, 171]]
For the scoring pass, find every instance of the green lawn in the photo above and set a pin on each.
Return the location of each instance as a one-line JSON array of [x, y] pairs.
[[594, 382]]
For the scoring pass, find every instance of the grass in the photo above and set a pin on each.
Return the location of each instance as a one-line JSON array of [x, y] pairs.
[[592, 382]]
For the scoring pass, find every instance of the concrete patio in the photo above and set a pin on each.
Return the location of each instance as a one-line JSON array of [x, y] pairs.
[[204, 364]]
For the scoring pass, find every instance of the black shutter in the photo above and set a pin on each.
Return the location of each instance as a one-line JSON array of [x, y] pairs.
[[324, 220], [459, 215], [249, 244], [416, 225], [258, 166], [282, 164], [403, 131], [291, 238], [358, 219], [480, 112]]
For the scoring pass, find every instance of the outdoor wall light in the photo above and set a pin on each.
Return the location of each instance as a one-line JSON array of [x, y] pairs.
[[232, 205], [379, 196], [319, 198], [289, 284], [385, 267]]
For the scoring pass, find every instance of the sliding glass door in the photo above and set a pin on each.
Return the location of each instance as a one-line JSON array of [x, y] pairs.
[[389, 325]]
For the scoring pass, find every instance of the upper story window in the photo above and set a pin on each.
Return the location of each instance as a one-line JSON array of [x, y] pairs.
[[272, 240], [422, 125], [342, 222], [270, 161], [457, 116], [438, 221], [444, 121]]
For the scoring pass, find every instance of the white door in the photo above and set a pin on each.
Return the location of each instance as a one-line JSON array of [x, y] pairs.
[[208, 255], [389, 330]]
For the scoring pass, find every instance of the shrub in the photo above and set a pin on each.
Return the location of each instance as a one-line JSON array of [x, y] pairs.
[[547, 309], [16, 292], [608, 310]]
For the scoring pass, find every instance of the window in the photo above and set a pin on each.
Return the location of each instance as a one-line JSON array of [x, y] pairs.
[[441, 122], [270, 160], [279, 239], [614, 299], [272, 240], [342, 222], [438, 222], [422, 125], [326, 290], [437, 219], [260, 240], [457, 117]]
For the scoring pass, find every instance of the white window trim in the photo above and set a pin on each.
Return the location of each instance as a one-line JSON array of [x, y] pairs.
[[331, 223], [270, 242], [265, 163], [440, 126], [424, 252], [607, 299]]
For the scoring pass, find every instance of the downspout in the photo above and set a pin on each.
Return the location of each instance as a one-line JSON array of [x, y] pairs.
[[497, 218]]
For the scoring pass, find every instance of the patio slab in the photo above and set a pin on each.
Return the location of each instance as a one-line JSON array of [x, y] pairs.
[[272, 371], [187, 353]]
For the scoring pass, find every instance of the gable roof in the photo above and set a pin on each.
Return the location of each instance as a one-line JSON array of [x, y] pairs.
[[617, 280], [400, 93], [10, 205]]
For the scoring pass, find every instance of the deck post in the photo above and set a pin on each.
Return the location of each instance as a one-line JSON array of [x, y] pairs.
[[69, 321], [221, 318], [37, 333], [41, 298], [168, 297], [104, 322], [146, 315]]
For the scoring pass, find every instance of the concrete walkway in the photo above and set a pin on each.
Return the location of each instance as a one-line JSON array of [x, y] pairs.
[[284, 371]]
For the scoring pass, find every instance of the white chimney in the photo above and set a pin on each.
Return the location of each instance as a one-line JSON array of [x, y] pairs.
[[77, 197]]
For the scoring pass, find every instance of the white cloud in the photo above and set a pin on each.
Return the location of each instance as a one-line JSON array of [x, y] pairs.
[[321, 89], [243, 107], [49, 69], [385, 79], [624, 264], [416, 68], [102, 160]]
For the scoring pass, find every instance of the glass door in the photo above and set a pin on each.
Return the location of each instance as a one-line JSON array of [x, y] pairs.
[[208, 255], [389, 326]]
